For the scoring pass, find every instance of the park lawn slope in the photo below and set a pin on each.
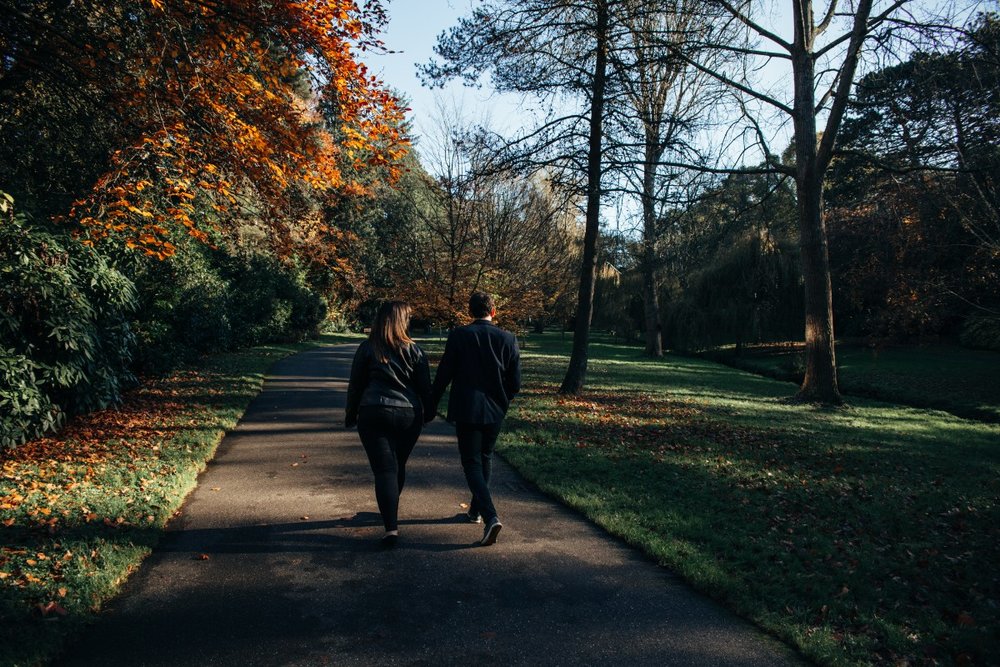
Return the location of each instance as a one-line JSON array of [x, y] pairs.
[[80, 511], [945, 377], [861, 535]]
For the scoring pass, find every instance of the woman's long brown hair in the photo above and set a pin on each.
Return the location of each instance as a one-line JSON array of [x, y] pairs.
[[389, 332]]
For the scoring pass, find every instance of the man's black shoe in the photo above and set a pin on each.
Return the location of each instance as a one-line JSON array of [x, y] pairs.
[[491, 532], [474, 516], [389, 541]]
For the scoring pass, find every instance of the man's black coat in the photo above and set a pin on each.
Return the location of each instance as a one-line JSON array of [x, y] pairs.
[[483, 365]]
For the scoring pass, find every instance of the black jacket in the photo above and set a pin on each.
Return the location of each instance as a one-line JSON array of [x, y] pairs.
[[483, 365], [404, 381]]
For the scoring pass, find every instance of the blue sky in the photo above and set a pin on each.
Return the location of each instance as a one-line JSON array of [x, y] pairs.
[[413, 30]]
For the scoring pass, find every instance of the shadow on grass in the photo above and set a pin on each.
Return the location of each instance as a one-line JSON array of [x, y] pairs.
[[849, 531]]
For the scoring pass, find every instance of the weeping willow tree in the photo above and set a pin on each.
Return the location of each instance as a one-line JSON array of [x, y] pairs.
[[750, 292]]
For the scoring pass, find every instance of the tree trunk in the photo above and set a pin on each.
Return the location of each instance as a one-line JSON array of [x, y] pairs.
[[576, 373], [650, 299], [820, 382]]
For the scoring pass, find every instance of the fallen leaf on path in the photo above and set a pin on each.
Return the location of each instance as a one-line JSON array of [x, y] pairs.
[[216, 488], [202, 557], [304, 518]]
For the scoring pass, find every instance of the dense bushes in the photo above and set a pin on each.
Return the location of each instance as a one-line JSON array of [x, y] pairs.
[[74, 323], [750, 293], [981, 332], [203, 300], [65, 336]]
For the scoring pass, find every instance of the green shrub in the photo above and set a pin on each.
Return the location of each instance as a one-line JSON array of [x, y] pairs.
[[981, 332], [205, 300], [270, 301], [65, 339]]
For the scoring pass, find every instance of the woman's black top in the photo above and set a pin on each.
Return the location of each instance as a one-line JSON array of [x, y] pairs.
[[404, 381]]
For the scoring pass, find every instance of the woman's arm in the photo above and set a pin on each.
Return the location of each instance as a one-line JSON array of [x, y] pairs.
[[356, 385]]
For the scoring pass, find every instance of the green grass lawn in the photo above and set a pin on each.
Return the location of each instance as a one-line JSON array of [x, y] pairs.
[[79, 511], [867, 534], [947, 377]]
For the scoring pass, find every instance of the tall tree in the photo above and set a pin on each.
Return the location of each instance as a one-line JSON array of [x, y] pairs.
[[558, 52], [939, 110], [666, 102], [823, 64]]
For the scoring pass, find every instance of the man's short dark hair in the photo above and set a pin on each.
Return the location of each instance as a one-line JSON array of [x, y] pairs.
[[481, 304]]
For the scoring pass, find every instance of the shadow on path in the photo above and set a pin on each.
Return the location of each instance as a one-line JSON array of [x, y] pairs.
[[274, 561]]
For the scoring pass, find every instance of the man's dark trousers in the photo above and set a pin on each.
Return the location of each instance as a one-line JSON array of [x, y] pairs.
[[476, 443]]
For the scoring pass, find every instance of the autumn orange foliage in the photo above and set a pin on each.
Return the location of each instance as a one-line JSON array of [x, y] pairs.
[[229, 100]]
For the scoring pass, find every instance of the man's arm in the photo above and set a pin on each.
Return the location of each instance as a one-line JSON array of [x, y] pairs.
[[512, 379], [445, 372], [422, 383]]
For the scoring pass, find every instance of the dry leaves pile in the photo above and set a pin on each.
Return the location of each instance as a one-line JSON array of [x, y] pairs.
[[110, 471]]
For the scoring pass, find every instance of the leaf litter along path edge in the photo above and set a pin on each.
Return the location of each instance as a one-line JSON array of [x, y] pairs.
[[273, 560]]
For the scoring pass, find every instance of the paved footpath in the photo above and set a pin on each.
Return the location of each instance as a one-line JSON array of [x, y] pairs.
[[286, 516]]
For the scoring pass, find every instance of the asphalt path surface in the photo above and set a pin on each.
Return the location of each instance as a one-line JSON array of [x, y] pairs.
[[273, 560]]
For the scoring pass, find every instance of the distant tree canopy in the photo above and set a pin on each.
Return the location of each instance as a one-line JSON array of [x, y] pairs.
[[451, 225]]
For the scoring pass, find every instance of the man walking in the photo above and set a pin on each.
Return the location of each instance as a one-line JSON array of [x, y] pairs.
[[483, 365]]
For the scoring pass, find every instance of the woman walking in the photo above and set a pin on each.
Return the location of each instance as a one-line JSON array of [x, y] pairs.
[[389, 390]]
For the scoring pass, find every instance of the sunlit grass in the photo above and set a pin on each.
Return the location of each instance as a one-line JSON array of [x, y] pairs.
[[865, 534], [951, 378]]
